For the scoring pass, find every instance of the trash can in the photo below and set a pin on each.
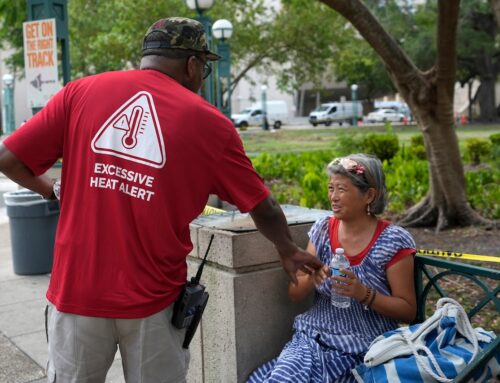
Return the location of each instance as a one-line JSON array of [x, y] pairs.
[[33, 222]]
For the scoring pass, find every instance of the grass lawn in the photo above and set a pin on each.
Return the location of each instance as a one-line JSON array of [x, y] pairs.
[[259, 141]]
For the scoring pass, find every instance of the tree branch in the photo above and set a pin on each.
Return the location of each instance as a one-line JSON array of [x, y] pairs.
[[249, 66], [398, 63], [447, 45]]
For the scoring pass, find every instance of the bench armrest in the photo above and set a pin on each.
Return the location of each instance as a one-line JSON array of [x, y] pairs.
[[473, 274]]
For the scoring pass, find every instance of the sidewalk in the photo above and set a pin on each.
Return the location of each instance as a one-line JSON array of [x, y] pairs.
[[23, 347], [22, 335]]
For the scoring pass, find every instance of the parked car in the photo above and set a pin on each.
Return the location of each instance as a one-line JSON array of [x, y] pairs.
[[383, 115]]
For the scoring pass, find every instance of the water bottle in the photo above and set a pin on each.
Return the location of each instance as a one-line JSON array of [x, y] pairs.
[[339, 261]]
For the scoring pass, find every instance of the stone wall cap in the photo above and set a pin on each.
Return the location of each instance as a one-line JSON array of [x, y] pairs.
[[238, 222]]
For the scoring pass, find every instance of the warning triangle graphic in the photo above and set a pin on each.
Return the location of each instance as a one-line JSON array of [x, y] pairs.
[[133, 132]]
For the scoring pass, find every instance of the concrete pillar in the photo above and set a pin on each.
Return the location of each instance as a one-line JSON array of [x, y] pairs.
[[249, 317]]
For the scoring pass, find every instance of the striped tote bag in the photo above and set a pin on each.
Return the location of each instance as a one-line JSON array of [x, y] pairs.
[[433, 351]]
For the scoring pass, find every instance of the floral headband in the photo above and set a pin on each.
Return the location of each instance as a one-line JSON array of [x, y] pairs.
[[349, 165]]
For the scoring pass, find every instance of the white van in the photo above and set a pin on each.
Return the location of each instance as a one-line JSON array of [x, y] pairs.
[[336, 112], [277, 115]]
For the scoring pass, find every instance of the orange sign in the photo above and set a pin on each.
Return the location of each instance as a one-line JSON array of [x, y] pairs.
[[40, 61]]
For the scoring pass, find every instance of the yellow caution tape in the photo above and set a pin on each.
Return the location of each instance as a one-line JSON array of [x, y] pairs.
[[453, 254], [447, 254], [212, 210]]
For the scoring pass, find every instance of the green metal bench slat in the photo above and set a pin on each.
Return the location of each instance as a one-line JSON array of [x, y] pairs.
[[479, 362], [467, 271]]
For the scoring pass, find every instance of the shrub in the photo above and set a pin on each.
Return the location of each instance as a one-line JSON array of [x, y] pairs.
[[291, 166], [407, 182], [495, 150], [417, 140], [301, 179], [495, 139], [384, 146], [347, 144], [286, 192], [314, 188], [477, 149], [483, 191], [417, 148], [265, 165], [297, 178]]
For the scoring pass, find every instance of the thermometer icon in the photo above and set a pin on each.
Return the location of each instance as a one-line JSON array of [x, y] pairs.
[[129, 140]]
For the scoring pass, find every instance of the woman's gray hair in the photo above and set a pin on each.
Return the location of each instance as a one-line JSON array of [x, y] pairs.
[[365, 171]]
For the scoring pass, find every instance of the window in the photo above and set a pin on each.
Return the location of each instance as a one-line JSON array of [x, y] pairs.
[[321, 108]]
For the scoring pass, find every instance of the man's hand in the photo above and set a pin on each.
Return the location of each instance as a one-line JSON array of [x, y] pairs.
[[299, 260], [271, 222]]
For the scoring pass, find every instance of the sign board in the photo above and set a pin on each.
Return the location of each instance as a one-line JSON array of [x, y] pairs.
[[40, 61]]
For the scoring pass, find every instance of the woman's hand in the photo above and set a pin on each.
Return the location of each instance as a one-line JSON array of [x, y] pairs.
[[349, 285], [320, 275], [307, 279]]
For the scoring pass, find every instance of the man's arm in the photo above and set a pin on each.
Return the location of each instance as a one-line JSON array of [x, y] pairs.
[[271, 222], [22, 175]]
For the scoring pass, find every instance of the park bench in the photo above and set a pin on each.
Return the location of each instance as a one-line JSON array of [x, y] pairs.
[[427, 280], [249, 317]]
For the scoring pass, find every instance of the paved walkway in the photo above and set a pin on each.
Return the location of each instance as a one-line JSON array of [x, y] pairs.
[[23, 348]]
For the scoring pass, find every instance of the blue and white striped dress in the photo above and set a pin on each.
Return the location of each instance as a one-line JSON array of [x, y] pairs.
[[329, 341]]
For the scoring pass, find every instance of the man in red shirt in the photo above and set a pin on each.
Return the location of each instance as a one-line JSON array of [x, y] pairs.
[[142, 152]]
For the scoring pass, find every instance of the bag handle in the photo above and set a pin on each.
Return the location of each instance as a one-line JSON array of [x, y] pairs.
[[470, 335]]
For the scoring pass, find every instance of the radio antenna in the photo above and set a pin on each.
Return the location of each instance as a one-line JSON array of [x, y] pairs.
[[200, 269]]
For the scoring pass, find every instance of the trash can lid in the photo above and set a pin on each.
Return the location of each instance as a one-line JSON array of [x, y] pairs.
[[21, 197]]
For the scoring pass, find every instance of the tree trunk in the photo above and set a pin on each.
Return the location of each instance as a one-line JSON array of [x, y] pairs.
[[485, 65], [495, 6], [486, 98], [471, 99], [430, 97], [301, 93]]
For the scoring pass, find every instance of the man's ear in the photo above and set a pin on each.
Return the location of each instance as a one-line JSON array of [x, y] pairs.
[[190, 68]]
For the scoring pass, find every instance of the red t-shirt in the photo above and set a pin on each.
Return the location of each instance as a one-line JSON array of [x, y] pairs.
[[141, 154]]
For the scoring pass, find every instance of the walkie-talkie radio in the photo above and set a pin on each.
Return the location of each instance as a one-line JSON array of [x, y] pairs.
[[189, 307]]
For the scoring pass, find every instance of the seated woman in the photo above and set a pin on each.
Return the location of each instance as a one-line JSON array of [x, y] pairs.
[[329, 341]]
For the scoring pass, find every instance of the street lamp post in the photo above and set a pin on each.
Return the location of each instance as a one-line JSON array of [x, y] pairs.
[[222, 30], [265, 124], [8, 103], [354, 88], [201, 6]]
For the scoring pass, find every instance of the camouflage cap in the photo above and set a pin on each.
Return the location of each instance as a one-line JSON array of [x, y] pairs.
[[179, 33]]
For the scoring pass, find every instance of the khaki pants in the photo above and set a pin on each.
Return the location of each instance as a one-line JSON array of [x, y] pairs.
[[82, 349]]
